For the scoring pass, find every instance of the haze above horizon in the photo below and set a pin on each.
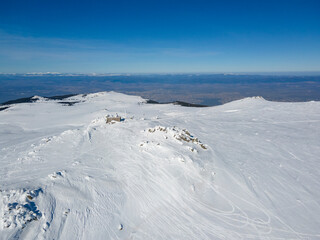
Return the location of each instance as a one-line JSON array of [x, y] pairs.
[[159, 36]]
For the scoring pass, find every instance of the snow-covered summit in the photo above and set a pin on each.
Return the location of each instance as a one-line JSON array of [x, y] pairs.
[[248, 169]]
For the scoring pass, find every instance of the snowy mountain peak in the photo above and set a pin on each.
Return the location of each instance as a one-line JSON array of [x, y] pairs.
[[247, 169]]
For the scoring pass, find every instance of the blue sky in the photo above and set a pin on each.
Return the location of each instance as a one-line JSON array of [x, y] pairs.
[[159, 36]]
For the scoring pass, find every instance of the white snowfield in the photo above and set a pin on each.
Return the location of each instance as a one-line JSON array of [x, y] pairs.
[[249, 169]]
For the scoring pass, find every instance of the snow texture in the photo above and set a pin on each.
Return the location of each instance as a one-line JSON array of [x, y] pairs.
[[249, 169]]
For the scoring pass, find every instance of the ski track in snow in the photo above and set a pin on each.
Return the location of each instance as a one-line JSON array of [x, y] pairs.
[[166, 172]]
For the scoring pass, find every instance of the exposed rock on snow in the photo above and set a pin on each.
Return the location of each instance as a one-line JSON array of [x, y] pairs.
[[56, 175], [182, 135], [120, 227]]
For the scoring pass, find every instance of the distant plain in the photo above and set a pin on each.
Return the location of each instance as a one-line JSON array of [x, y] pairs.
[[206, 89]]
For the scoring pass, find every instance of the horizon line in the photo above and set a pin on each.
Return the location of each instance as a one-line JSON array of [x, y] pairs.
[[92, 74]]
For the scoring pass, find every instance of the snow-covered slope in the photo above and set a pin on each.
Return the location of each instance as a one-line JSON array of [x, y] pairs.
[[249, 169]]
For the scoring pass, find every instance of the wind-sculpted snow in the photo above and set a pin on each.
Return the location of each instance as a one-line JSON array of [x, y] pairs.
[[245, 170], [18, 208]]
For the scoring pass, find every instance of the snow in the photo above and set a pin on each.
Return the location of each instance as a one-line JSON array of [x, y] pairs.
[[248, 169]]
